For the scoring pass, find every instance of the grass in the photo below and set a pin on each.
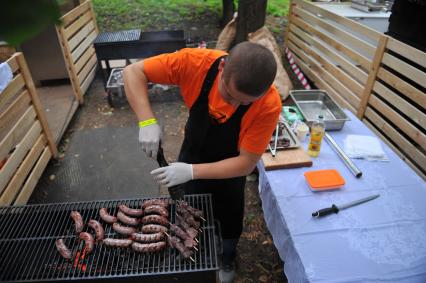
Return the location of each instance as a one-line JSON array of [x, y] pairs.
[[149, 14]]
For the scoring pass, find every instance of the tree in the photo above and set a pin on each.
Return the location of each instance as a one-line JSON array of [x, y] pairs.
[[228, 8], [251, 16]]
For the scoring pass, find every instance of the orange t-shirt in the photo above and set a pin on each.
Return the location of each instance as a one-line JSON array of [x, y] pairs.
[[188, 67]]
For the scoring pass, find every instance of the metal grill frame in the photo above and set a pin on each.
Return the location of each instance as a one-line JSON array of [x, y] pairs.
[[27, 245]]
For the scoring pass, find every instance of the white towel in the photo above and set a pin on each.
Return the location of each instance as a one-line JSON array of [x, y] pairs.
[[6, 75], [364, 147]]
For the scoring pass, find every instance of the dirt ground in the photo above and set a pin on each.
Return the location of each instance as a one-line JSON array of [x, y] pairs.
[[258, 260]]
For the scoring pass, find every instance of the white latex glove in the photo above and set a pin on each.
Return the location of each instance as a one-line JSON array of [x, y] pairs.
[[174, 174], [149, 139]]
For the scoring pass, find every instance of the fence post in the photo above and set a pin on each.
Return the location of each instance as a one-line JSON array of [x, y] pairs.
[[372, 75]]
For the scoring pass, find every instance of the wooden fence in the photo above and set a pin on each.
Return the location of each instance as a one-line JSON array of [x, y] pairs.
[[26, 144], [76, 35], [378, 78]]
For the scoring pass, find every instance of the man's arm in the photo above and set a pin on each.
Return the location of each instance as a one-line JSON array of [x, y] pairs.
[[240, 165], [136, 88]]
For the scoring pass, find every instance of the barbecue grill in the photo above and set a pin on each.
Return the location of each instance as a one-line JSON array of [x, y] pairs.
[[27, 247]]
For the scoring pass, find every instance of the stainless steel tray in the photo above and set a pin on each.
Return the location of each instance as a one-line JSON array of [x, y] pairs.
[[284, 133], [313, 103]]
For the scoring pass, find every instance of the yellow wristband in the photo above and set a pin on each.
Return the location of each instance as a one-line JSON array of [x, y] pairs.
[[147, 122]]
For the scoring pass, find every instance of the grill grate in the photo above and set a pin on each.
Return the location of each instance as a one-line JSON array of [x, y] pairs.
[[28, 253], [118, 36]]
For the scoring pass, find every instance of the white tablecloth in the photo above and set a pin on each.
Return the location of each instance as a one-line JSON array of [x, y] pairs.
[[383, 240]]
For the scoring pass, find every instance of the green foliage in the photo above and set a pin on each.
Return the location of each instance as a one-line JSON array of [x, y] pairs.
[[23, 19], [146, 14]]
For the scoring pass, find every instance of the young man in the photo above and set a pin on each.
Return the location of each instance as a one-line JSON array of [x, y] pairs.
[[233, 112]]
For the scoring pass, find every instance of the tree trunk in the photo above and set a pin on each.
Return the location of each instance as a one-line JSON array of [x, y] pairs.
[[228, 9], [251, 17]]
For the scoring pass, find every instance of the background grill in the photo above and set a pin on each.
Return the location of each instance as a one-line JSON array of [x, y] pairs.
[[28, 252]]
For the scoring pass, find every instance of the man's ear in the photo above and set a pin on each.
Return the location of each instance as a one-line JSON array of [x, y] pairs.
[[221, 64]]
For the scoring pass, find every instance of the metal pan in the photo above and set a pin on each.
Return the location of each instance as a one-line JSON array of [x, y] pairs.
[[284, 133], [313, 103]]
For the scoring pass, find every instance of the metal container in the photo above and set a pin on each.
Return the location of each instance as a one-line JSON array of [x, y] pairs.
[[115, 88], [313, 103], [284, 133]]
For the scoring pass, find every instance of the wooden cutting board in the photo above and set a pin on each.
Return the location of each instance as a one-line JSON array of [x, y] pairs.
[[288, 158]]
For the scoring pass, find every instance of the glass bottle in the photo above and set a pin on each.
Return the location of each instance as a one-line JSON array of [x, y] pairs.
[[317, 134]]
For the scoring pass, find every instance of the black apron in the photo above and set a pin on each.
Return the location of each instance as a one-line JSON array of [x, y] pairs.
[[207, 141]]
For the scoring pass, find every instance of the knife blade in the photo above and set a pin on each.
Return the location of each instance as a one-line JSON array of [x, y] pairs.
[[335, 209]]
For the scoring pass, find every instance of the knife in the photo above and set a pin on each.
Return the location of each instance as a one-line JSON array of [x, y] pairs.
[[176, 192], [335, 209]]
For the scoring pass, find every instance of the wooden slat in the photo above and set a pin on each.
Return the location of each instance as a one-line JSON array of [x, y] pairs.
[[81, 35], [74, 27], [339, 46], [352, 25], [346, 65], [287, 28], [341, 89], [352, 84], [338, 74], [403, 87], [391, 134], [405, 69], [24, 169], [18, 155], [85, 85], [410, 130], [32, 180], [409, 52], [70, 65], [84, 58], [322, 84], [339, 33], [17, 132], [83, 46], [11, 90], [372, 76], [11, 115], [75, 13], [41, 116], [402, 105], [87, 68], [13, 64], [395, 149]]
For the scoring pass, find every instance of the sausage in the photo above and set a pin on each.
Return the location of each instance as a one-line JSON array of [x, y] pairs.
[[63, 249], [147, 238], [106, 217], [153, 228], [99, 230], [157, 209], [156, 201], [78, 221], [126, 219], [157, 219], [148, 248], [130, 211], [123, 230], [89, 242], [193, 233], [117, 243]]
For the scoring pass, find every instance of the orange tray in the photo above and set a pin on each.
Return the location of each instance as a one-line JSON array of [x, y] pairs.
[[322, 180]]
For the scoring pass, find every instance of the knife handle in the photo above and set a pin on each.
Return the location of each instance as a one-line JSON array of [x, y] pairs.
[[162, 162], [326, 211]]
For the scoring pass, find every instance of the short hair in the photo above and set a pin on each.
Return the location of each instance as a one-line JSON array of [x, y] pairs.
[[252, 67]]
